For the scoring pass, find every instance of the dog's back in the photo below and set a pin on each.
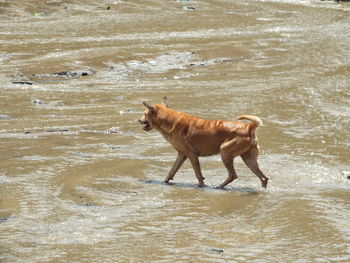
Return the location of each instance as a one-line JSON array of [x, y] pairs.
[[203, 136]]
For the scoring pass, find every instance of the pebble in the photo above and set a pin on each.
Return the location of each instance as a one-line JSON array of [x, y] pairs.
[[219, 251], [40, 14], [129, 111], [36, 101], [114, 130], [5, 117], [66, 74], [188, 8], [71, 74], [22, 82], [4, 219]]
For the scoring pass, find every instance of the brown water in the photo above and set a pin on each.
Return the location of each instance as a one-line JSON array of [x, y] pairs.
[[80, 181]]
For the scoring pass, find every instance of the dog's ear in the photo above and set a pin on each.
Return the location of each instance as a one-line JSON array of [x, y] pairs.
[[151, 109], [165, 102]]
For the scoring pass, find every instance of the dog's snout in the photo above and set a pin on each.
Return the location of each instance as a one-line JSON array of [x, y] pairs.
[[141, 121]]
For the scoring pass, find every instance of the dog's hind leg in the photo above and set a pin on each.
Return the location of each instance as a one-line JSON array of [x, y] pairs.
[[179, 161], [228, 162], [227, 159], [229, 150], [250, 158]]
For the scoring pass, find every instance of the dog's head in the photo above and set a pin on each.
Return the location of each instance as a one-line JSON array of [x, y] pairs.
[[150, 115]]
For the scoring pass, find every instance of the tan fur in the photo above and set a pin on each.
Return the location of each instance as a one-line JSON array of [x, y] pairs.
[[193, 137]]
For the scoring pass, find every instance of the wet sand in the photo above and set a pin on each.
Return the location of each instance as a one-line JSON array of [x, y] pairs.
[[80, 181]]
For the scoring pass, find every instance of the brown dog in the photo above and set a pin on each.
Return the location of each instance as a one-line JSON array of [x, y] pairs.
[[193, 137]]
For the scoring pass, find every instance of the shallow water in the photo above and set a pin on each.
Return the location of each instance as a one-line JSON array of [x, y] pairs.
[[80, 181]]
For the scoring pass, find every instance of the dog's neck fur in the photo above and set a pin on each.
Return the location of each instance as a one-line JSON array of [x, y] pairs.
[[164, 121]]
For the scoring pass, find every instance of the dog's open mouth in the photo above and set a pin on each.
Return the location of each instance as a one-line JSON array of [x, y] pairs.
[[146, 125]]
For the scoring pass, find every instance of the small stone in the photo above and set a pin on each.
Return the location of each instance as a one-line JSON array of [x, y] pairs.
[[40, 14], [220, 251], [114, 130], [36, 101], [188, 8], [5, 117], [22, 82], [128, 111], [4, 219]]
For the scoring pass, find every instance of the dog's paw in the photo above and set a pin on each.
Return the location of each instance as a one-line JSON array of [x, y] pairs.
[[168, 182]]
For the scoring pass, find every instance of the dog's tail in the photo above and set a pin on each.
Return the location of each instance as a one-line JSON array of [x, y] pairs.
[[256, 122]]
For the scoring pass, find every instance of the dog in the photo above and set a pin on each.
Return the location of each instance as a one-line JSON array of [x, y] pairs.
[[193, 137]]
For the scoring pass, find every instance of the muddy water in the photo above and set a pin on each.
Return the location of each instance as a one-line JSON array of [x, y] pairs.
[[80, 181]]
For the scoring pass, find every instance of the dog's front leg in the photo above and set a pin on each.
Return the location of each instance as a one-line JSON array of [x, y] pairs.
[[179, 161], [197, 169]]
